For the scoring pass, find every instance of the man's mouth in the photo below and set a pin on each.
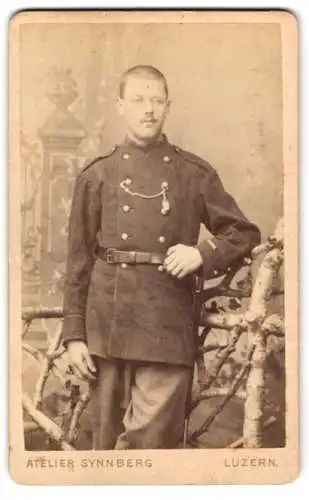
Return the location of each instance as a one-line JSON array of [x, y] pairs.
[[148, 122]]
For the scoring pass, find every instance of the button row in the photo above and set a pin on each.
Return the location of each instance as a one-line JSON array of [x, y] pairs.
[[128, 182], [123, 265], [216, 272], [166, 158], [125, 236]]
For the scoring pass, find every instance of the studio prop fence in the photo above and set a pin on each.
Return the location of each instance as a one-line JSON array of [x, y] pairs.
[[248, 383]]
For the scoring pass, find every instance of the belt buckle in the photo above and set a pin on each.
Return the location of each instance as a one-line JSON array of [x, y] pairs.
[[110, 252]]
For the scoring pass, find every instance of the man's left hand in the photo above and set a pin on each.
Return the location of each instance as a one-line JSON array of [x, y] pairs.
[[182, 260]]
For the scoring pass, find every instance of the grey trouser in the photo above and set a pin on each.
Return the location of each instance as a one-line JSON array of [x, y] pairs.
[[153, 413]]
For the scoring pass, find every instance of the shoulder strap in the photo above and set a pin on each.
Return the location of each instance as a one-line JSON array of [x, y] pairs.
[[196, 160], [98, 158]]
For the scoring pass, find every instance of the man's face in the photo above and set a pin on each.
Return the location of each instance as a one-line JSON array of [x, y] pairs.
[[144, 107]]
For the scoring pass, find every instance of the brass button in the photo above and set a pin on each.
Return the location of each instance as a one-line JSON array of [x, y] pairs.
[[161, 239], [128, 181], [164, 185], [160, 269], [124, 236], [126, 208], [216, 272], [166, 159], [126, 156], [123, 265]]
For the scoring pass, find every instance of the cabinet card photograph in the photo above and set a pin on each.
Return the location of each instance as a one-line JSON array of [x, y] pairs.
[[153, 247]]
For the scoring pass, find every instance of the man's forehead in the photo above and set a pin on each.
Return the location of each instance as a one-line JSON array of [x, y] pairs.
[[144, 83]]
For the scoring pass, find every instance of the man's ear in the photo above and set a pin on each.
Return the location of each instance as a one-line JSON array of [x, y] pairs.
[[167, 109], [119, 106]]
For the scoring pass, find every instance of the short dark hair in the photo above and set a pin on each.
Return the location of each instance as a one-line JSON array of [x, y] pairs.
[[142, 70]]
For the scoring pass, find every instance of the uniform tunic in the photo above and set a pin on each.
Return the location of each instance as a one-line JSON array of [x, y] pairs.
[[139, 312]]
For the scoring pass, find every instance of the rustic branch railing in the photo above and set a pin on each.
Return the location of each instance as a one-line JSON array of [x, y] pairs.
[[247, 384]]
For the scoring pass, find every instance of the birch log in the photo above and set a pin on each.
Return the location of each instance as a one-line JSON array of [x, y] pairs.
[[257, 311]]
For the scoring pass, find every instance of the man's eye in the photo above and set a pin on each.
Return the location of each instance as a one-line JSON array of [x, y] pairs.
[[137, 99], [158, 101]]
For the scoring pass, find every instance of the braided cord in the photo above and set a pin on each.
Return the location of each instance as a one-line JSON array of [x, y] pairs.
[[141, 195]]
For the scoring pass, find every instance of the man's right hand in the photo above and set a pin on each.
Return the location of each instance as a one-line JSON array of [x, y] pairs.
[[80, 360]]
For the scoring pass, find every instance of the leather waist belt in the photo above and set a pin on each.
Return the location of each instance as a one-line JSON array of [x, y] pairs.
[[114, 256]]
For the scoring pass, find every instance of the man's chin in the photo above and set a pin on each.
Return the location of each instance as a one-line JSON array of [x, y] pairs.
[[147, 136]]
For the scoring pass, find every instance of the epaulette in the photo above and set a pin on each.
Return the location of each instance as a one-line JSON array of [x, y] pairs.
[[89, 162], [196, 160]]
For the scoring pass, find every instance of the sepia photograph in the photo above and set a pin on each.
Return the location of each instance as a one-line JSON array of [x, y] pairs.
[[153, 247]]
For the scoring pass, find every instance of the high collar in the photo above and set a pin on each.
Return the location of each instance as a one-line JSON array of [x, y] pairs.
[[129, 143]]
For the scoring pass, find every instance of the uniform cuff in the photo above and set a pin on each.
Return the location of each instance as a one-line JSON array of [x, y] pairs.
[[73, 329], [208, 251]]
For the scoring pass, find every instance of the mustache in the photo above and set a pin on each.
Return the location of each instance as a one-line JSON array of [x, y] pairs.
[[148, 119]]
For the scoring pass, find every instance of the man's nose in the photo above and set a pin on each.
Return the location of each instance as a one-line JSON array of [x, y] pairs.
[[148, 105]]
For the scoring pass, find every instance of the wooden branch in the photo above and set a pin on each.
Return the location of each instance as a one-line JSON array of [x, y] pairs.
[[216, 392], [200, 361], [34, 352], [277, 292], [57, 353], [254, 404], [30, 426], [273, 325], [212, 347], [47, 364], [27, 324], [223, 321], [221, 357], [31, 313], [77, 412], [45, 423], [40, 357], [255, 317], [263, 286], [41, 382], [239, 442], [231, 392], [275, 241]]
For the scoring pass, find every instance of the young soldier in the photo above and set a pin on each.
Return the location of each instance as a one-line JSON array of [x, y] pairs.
[[133, 251]]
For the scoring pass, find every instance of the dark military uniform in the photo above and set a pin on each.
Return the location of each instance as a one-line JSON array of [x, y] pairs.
[[145, 199]]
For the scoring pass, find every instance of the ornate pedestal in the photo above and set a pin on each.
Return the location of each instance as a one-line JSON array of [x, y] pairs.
[[61, 135]]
